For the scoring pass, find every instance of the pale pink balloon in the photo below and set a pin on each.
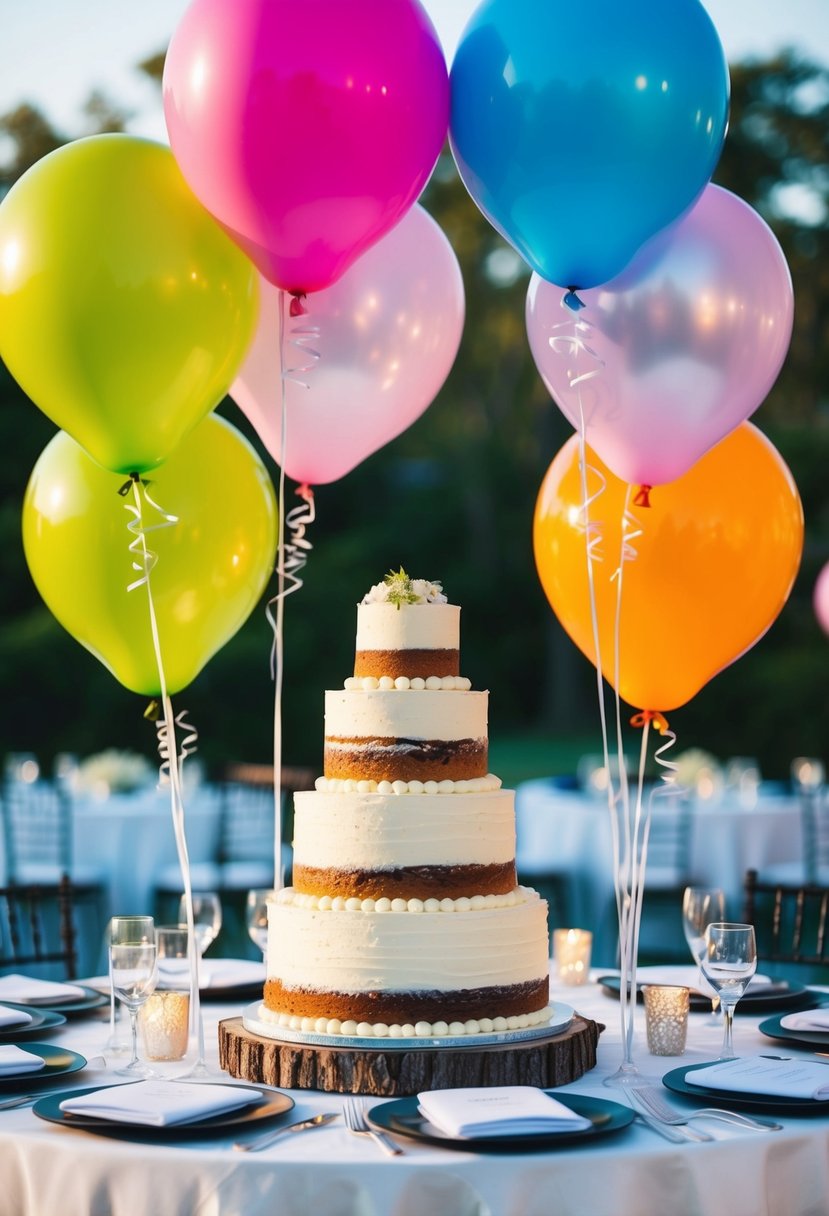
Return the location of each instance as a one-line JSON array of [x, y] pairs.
[[307, 128], [389, 331], [665, 360], [820, 598]]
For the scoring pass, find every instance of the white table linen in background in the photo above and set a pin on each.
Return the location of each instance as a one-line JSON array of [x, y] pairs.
[[329, 1172], [567, 832]]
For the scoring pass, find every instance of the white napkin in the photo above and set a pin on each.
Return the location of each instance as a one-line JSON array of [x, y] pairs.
[[228, 972], [687, 977], [14, 1060], [807, 1019], [14, 1017], [761, 1075], [500, 1110], [159, 1103], [27, 990]]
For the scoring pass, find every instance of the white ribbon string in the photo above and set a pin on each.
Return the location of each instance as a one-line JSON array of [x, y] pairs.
[[292, 554], [144, 561]]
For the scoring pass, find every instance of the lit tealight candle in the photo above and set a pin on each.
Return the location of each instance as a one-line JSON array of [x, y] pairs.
[[571, 954]]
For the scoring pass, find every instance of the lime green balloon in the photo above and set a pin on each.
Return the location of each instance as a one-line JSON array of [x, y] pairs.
[[212, 565], [125, 310]]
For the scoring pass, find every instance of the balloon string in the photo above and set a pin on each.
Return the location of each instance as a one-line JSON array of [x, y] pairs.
[[144, 561], [292, 555], [303, 338]]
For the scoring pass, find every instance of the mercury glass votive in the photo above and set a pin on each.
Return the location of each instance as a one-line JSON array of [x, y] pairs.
[[666, 1019], [571, 954], [164, 1021]]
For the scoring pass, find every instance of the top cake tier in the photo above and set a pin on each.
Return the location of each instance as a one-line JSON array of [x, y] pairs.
[[414, 640]]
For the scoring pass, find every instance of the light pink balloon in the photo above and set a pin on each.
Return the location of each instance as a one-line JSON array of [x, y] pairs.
[[389, 331], [820, 598], [307, 128], [669, 357]]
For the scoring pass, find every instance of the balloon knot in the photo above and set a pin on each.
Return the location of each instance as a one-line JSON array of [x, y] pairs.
[[153, 711], [642, 499], [572, 301], [305, 492], [652, 716], [134, 479], [297, 308]]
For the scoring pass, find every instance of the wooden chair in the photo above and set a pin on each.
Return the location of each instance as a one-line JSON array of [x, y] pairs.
[[790, 921], [37, 927]]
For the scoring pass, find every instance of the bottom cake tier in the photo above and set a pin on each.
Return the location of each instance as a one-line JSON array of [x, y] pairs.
[[397, 967]]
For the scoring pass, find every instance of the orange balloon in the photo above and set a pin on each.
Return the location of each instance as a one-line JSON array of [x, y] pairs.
[[714, 564]]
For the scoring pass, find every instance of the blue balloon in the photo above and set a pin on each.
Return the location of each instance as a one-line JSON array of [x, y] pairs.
[[581, 130]]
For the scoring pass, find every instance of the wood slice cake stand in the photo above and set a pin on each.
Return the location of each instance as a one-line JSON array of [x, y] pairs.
[[542, 1062]]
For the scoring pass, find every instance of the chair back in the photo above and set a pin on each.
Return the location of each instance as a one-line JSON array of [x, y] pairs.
[[790, 922], [246, 811], [814, 815], [37, 831], [37, 927], [669, 845]]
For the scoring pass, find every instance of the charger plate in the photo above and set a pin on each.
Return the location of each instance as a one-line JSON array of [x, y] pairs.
[[781, 995], [246, 1119], [681, 1081], [560, 1018], [59, 1063], [810, 1039], [42, 1019], [403, 1118]]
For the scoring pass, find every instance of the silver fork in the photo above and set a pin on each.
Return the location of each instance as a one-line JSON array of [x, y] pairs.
[[356, 1122], [653, 1100], [664, 1128]]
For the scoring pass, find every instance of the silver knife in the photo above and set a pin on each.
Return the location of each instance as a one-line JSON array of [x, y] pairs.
[[253, 1146]]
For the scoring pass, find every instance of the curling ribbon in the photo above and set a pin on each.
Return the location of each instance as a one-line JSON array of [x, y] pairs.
[[144, 561]]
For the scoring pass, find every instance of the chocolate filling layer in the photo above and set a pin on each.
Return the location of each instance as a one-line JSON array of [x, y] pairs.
[[407, 882], [405, 759], [409, 663], [402, 1007]]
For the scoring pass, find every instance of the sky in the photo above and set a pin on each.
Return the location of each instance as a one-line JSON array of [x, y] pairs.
[[53, 53]]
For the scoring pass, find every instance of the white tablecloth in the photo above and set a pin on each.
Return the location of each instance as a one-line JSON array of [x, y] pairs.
[[567, 833], [47, 1169]]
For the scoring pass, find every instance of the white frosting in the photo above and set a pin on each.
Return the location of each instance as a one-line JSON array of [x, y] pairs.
[[347, 785], [343, 950], [377, 831], [415, 684], [409, 627], [416, 1030], [386, 714]]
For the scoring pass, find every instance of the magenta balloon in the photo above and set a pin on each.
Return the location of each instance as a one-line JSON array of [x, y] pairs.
[[306, 127], [820, 599], [389, 332], [666, 359]]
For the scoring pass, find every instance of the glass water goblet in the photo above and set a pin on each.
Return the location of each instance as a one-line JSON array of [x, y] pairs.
[[729, 962], [700, 907], [207, 917], [134, 973], [256, 915]]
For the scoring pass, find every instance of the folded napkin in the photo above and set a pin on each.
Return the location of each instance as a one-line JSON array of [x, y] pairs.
[[228, 972], [807, 1019], [13, 1017], [27, 990], [761, 1075], [158, 1103], [691, 977], [500, 1110], [14, 1060]]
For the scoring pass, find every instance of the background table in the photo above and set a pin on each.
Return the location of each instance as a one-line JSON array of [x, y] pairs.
[[48, 1169], [567, 834]]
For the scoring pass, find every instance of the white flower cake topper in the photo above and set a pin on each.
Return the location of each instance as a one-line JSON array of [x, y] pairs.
[[397, 588]]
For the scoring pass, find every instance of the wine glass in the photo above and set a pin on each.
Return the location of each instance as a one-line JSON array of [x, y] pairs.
[[729, 962], [207, 917], [133, 969], [700, 907], [257, 915]]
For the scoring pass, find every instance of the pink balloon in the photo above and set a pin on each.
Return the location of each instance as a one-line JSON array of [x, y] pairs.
[[672, 355], [389, 332], [820, 598], [306, 127]]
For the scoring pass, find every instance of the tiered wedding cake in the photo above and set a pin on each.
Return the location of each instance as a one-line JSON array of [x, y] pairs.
[[405, 917]]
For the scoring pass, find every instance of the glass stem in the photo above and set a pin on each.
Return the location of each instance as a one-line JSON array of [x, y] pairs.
[[134, 1030], [727, 1052]]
